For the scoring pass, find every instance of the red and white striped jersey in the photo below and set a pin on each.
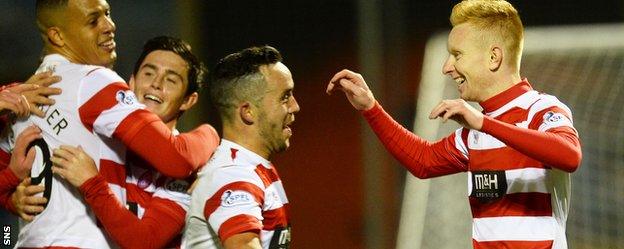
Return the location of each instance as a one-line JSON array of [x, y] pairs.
[[237, 191], [518, 166], [517, 201], [143, 183], [97, 111], [66, 221]]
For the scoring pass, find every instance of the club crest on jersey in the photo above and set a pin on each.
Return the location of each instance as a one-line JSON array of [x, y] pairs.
[[232, 198], [145, 180], [552, 117], [126, 97], [488, 186]]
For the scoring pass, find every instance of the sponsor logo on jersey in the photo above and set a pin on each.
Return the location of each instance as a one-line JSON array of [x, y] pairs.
[[235, 198], [177, 186], [488, 186], [126, 97]]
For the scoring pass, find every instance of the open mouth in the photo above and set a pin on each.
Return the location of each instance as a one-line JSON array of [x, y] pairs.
[[108, 45], [153, 98], [287, 128], [460, 80]]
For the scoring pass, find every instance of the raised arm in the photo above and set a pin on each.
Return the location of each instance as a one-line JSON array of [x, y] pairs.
[[422, 158]]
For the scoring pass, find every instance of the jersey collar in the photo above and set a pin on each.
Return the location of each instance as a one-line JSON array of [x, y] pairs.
[[506, 96], [244, 154], [56, 58]]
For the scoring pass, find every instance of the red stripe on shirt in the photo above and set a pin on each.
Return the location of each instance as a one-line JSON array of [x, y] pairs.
[[268, 176], [113, 172], [215, 201], [506, 96], [275, 218], [504, 158], [516, 204], [138, 195], [239, 224], [514, 115], [546, 244], [101, 101]]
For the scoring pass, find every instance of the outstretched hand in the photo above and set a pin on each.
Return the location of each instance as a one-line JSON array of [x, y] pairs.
[[459, 111], [354, 87], [73, 164]]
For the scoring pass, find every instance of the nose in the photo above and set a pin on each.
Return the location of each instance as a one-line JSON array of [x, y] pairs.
[[157, 82], [449, 65], [109, 25], [294, 106]]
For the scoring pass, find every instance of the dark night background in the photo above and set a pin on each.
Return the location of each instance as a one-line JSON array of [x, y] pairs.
[[322, 172]]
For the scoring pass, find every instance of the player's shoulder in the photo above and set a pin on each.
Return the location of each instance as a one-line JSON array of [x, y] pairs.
[[221, 174], [100, 74], [545, 101]]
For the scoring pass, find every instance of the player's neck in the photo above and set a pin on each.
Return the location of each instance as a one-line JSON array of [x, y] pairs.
[[172, 124], [501, 84], [247, 138]]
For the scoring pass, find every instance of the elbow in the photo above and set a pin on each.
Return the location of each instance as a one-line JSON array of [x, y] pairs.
[[420, 174], [572, 162]]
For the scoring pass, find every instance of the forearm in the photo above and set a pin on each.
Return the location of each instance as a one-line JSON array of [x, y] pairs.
[[561, 149], [161, 222], [8, 183], [422, 158], [174, 156]]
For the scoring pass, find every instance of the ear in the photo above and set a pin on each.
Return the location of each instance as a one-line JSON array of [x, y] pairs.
[[496, 58], [246, 113], [55, 37], [131, 82], [189, 101]]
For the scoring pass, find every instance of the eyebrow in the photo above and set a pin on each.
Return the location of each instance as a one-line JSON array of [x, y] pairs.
[[289, 90], [93, 14], [168, 71], [97, 12]]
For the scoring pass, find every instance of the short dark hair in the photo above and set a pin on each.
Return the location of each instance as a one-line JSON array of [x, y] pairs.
[[44, 9], [49, 4], [237, 78], [196, 69]]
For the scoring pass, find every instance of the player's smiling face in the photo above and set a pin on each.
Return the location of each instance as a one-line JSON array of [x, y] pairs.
[[277, 107], [467, 62], [88, 33], [161, 83]]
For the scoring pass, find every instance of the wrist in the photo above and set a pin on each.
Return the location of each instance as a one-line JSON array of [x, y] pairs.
[[369, 106]]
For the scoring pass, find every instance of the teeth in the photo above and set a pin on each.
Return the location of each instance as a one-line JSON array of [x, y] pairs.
[[108, 44], [460, 80], [152, 97]]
